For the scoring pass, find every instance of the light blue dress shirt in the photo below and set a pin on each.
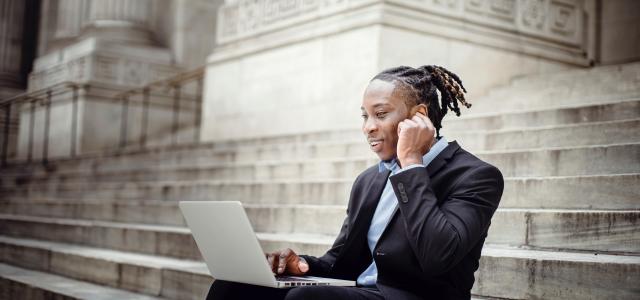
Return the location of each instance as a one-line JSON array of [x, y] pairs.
[[387, 205]]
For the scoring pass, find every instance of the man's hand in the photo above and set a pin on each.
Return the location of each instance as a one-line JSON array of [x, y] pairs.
[[415, 138], [287, 262]]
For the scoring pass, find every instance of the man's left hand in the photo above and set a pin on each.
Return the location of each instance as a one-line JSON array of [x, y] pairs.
[[415, 137]]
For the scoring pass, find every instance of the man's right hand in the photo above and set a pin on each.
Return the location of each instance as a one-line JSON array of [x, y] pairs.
[[287, 262]]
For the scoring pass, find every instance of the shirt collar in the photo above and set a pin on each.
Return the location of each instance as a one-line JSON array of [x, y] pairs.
[[440, 145]]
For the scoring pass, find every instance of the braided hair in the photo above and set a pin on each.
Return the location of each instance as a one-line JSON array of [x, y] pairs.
[[421, 86]]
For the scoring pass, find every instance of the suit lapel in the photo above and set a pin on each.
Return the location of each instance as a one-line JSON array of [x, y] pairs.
[[370, 199]]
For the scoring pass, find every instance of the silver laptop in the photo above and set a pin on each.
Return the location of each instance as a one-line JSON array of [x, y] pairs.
[[231, 249]]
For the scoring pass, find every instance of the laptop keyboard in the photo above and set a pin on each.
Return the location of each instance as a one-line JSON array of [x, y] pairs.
[[295, 281], [288, 278]]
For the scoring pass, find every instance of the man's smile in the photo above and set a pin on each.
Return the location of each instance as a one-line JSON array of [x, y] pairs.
[[375, 144]]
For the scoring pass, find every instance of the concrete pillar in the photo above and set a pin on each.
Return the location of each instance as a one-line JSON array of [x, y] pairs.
[[120, 20], [70, 17], [106, 47], [17, 47], [11, 33]]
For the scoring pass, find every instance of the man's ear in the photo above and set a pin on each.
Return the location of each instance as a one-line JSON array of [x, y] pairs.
[[420, 108]]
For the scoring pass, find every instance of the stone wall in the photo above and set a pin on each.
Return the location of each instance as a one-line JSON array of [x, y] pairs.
[[285, 67], [619, 31]]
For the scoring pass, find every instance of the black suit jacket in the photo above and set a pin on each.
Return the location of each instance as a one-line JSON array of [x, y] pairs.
[[431, 246]]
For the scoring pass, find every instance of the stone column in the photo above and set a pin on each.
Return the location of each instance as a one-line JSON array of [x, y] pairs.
[[17, 46], [122, 20], [11, 34], [108, 46], [69, 19]]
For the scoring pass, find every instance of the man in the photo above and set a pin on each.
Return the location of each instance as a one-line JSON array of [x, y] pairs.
[[416, 223]]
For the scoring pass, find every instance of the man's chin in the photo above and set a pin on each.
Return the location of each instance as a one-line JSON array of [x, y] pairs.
[[384, 157]]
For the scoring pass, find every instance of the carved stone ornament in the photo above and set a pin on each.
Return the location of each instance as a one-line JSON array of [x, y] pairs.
[[553, 20]]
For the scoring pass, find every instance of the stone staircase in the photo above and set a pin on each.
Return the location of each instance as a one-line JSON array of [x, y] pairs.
[[568, 227]]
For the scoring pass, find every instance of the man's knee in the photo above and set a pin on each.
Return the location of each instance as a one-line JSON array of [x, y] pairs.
[[304, 293], [226, 290], [220, 289]]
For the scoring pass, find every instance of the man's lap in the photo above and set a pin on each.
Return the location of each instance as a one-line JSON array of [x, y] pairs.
[[231, 290], [333, 293]]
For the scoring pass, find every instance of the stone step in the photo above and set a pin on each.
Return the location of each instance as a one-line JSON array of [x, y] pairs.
[[190, 153], [617, 111], [588, 230], [328, 144], [621, 74], [173, 241], [574, 192], [473, 140], [191, 157], [19, 283], [568, 161], [333, 167], [576, 87], [556, 97], [508, 273], [567, 135], [583, 134], [139, 273], [321, 191], [162, 240], [529, 273], [570, 192]]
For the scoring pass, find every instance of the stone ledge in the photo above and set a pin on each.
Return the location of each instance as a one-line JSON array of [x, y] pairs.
[[612, 231], [504, 272], [572, 192], [39, 285], [514, 29]]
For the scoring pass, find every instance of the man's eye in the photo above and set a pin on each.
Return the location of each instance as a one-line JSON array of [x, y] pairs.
[[381, 114], [364, 116]]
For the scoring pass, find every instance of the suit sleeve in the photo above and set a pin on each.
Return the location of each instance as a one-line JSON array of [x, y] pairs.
[[321, 266], [442, 234]]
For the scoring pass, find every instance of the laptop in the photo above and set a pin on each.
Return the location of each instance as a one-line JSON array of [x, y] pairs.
[[230, 248]]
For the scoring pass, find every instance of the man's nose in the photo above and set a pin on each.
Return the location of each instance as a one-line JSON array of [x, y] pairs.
[[369, 126]]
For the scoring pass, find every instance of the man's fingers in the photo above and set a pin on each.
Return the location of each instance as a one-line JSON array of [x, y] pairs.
[[410, 123], [422, 117], [282, 263], [296, 265], [422, 121], [303, 266], [284, 259], [287, 262], [270, 259], [406, 124]]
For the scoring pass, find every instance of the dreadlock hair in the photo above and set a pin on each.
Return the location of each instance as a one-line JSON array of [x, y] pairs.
[[421, 86]]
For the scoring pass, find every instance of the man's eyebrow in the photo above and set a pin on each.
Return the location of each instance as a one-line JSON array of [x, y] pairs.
[[376, 105]]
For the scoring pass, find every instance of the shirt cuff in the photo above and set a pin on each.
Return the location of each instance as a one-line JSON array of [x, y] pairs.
[[409, 167]]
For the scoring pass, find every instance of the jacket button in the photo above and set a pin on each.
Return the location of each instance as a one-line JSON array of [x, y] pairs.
[[401, 187], [404, 197]]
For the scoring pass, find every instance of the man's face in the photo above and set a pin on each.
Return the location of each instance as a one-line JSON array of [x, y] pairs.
[[382, 110]]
